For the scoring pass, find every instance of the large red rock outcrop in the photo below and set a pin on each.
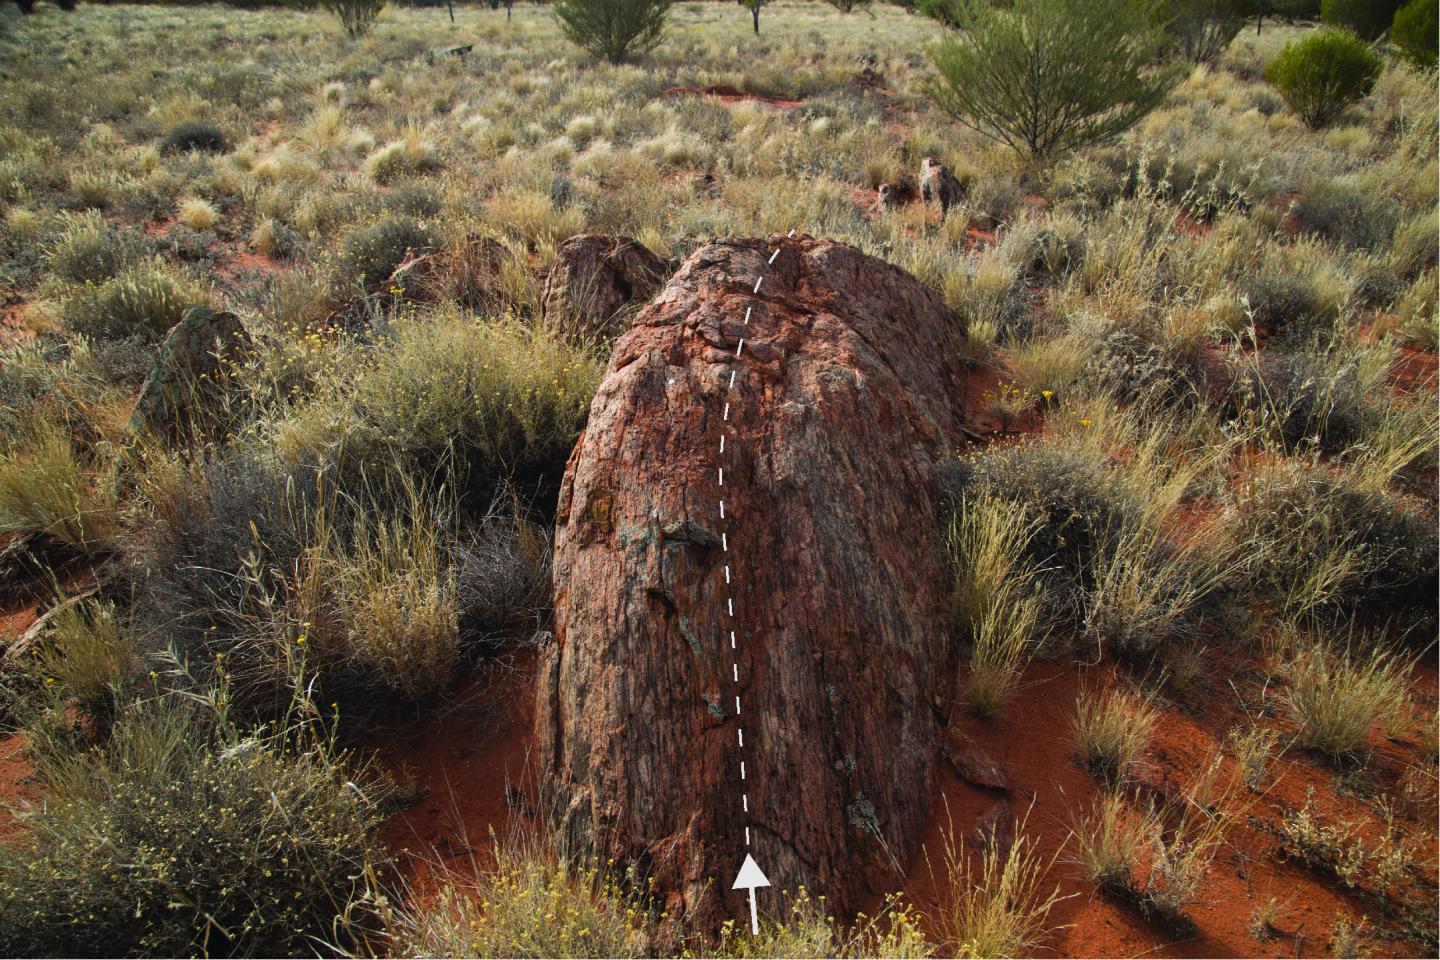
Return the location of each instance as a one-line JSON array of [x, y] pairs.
[[847, 391]]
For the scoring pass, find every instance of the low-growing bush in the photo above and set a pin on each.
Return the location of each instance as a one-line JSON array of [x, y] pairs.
[[146, 300], [370, 254], [1323, 74], [196, 135], [451, 397], [532, 903], [184, 836], [1324, 543], [409, 156], [1353, 214], [1078, 505], [90, 251], [1416, 31]]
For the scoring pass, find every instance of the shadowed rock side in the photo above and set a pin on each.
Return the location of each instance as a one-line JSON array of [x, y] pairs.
[[847, 392], [593, 279]]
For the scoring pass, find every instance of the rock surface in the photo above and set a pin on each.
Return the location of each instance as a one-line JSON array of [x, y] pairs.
[[593, 278], [188, 372], [848, 389], [938, 185]]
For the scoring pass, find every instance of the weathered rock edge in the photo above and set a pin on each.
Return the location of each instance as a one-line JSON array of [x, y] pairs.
[[848, 392]]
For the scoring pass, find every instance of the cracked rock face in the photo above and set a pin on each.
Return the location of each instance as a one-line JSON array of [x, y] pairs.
[[847, 393], [593, 279]]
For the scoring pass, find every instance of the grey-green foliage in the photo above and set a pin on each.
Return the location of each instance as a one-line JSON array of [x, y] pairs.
[[1050, 76], [613, 29], [183, 836]]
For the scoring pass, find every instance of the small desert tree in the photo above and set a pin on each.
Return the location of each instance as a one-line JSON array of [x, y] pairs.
[[613, 29], [356, 16], [1202, 29], [1049, 76], [1323, 74]]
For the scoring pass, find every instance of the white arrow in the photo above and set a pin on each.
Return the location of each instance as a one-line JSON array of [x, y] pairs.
[[751, 876]]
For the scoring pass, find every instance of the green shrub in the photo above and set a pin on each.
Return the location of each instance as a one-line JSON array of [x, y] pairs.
[[1323, 74], [1049, 76], [613, 29], [1369, 19], [356, 16], [1416, 31], [1075, 499], [949, 12], [369, 254], [197, 135], [90, 251], [145, 300], [184, 837], [848, 6], [1323, 544]]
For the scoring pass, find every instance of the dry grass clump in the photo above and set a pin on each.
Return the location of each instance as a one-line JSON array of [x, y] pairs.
[[87, 655], [1336, 695], [1111, 730], [1155, 856], [994, 597], [144, 300], [198, 214], [534, 902], [807, 930], [410, 156], [997, 901], [51, 486]]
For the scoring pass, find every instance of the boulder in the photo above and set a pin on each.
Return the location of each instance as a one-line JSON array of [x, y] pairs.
[[825, 562], [188, 373], [593, 279]]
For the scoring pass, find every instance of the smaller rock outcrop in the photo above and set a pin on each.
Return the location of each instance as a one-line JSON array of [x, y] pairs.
[[188, 373], [938, 185], [593, 279]]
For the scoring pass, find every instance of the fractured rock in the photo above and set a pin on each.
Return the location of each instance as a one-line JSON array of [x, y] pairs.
[[188, 372], [848, 391], [973, 764], [593, 279]]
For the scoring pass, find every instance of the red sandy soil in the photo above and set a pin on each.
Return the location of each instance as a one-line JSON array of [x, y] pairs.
[[728, 94], [468, 769], [1030, 739]]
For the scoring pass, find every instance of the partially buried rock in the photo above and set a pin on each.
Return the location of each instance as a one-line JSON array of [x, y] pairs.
[[188, 374], [594, 278], [825, 566], [973, 764]]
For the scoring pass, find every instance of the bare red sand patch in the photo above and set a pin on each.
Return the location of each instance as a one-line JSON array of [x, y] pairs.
[[725, 93], [469, 769]]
